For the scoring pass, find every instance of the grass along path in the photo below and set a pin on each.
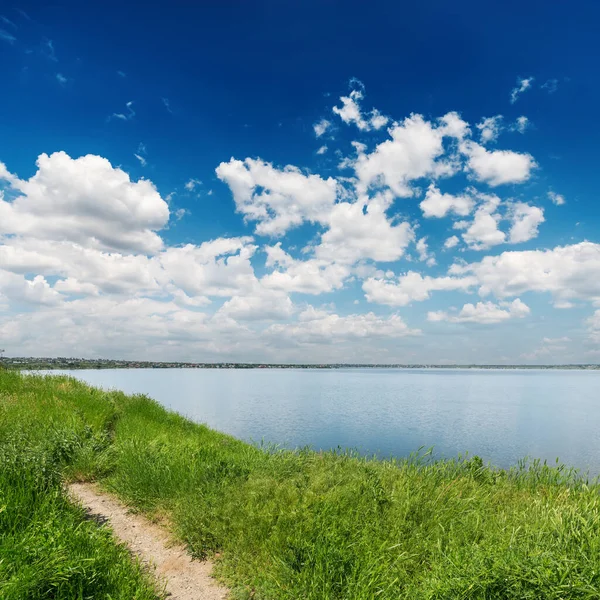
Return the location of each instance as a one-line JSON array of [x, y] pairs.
[[181, 577], [302, 525]]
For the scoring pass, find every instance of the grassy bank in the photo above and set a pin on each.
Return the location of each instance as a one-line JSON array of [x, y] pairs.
[[306, 525]]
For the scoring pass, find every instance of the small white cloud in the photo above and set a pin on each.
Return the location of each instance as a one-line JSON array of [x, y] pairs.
[[557, 199], [424, 254], [124, 116], [322, 150], [141, 154], [61, 79], [521, 124], [451, 242], [192, 184], [377, 120], [321, 127], [490, 128], [550, 86], [350, 111], [523, 84], [180, 213], [167, 105]]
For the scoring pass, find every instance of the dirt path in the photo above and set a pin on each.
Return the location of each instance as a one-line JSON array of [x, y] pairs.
[[183, 578]]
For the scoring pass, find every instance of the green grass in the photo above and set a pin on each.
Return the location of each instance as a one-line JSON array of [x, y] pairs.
[[299, 525]]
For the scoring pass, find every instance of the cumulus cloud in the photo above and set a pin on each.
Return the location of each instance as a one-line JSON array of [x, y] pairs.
[[317, 326], [451, 242], [411, 287], [425, 255], [277, 199], [483, 232], [484, 313], [490, 128], [312, 276], [497, 167], [350, 111], [414, 151], [322, 150], [566, 272], [87, 201], [523, 84], [525, 222], [361, 230], [438, 204]]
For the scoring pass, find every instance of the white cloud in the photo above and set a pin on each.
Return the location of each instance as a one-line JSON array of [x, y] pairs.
[[523, 84], [278, 199], [265, 305], [483, 233], [192, 184], [594, 327], [377, 120], [566, 272], [521, 124], [167, 105], [490, 128], [61, 79], [557, 199], [361, 230], [451, 242], [86, 201], [317, 326], [525, 222], [411, 153], [437, 204], [142, 160], [497, 167], [322, 150], [313, 276], [321, 127], [424, 254], [484, 313], [350, 111], [412, 287], [36, 291]]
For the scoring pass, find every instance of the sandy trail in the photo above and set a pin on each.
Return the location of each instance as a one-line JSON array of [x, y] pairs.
[[182, 577]]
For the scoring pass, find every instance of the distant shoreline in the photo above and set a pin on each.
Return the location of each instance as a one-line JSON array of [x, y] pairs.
[[30, 363]]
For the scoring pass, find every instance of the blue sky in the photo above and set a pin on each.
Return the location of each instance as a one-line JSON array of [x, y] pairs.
[[301, 182]]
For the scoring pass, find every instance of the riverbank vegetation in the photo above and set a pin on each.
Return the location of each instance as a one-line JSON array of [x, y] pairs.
[[283, 524]]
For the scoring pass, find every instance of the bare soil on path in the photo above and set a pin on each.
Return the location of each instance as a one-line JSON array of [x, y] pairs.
[[176, 572]]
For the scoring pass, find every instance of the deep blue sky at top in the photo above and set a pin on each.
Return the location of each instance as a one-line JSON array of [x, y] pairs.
[[250, 79]]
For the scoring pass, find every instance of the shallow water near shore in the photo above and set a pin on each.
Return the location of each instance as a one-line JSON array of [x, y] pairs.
[[501, 415]]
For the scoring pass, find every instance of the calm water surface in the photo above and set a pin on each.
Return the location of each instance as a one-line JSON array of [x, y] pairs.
[[500, 415]]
